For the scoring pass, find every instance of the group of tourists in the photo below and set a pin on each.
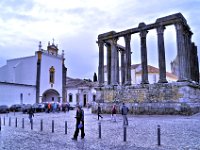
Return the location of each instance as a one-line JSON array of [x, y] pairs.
[[124, 111], [80, 117]]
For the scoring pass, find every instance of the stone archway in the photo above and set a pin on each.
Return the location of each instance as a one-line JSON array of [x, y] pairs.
[[51, 95]]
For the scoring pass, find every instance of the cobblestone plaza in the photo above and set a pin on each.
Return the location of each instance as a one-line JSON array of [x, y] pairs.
[[177, 132]]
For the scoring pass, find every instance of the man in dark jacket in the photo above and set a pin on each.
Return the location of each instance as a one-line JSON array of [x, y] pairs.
[[79, 123], [31, 114], [124, 111]]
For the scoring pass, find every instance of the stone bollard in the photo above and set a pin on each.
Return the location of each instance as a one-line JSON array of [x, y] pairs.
[[99, 129], [32, 125], [41, 125], [52, 126], [65, 127], [23, 123], [4, 121], [16, 122], [158, 134], [9, 121], [125, 133], [0, 123]]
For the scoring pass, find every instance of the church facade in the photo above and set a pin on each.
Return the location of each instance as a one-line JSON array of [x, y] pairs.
[[34, 79]]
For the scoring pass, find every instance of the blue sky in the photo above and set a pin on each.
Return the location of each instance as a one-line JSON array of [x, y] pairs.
[[76, 24]]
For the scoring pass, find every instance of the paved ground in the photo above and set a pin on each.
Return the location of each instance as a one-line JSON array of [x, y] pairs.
[[177, 133]]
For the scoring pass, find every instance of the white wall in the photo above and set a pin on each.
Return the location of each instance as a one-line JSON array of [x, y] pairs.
[[20, 70], [10, 94], [46, 62], [75, 91]]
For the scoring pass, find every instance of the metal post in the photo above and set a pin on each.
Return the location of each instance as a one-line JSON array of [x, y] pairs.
[[4, 120], [41, 125], [32, 125], [23, 123], [52, 126], [99, 129], [125, 133], [0, 123], [65, 127], [16, 122], [158, 133], [9, 121]]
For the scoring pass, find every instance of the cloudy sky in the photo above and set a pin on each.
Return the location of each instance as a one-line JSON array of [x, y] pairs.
[[75, 25]]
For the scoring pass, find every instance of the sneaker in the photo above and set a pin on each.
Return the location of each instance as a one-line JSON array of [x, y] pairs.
[[75, 139]]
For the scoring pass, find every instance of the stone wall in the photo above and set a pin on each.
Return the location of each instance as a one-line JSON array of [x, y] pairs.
[[169, 98]]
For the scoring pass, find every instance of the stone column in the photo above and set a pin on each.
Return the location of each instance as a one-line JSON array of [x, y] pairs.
[[188, 48], [101, 63], [161, 55], [114, 61], [118, 66], [194, 63], [108, 63], [181, 52], [122, 66], [127, 59], [144, 57]]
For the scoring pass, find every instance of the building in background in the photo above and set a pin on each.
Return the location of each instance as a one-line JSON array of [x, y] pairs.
[[34, 79], [136, 74], [81, 92]]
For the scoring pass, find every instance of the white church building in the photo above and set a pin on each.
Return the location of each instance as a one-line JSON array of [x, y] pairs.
[[34, 79]]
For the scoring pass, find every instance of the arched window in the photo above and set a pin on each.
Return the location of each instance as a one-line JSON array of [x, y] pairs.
[[51, 74], [70, 97], [94, 97]]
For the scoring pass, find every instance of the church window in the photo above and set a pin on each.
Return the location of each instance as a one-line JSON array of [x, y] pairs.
[[94, 97], [70, 97], [21, 98], [52, 75]]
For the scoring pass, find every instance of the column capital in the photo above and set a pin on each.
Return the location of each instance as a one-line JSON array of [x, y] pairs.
[[107, 44], [100, 42], [160, 29], [112, 41], [143, 34], [188, 33], [127, 37], [179, 26]]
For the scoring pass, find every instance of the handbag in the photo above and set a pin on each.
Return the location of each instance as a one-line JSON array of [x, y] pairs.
[[80, 125]]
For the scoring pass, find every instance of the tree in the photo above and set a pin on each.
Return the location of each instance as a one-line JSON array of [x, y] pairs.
[[95, 77]]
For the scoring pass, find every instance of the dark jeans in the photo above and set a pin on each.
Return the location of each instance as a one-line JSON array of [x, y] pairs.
[[77, 129]]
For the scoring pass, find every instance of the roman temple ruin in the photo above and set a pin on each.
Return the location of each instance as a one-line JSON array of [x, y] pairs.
[[163, 97]]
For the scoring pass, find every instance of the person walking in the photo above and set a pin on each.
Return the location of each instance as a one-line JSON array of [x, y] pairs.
[[114, 113], [124, 111], [79, 123], [31, 114], [99, 111]]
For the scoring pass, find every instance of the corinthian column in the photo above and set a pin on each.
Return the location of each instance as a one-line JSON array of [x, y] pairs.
[[122, 66], [114, 61], [161, 55], [108, 63], [188, 49], [127, 59], [101, 63], [181, 52], [144, 57]]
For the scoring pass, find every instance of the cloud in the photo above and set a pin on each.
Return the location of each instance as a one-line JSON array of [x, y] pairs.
[[76, 24]]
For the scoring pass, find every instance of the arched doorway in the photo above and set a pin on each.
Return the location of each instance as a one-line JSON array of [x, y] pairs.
[[51, 95]]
